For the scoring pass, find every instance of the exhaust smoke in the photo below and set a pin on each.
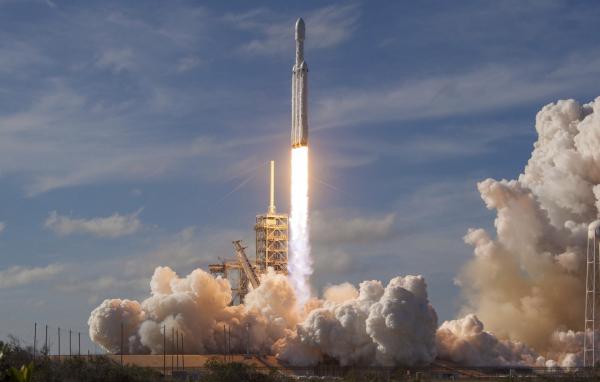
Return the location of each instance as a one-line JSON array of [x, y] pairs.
[[300, 262]]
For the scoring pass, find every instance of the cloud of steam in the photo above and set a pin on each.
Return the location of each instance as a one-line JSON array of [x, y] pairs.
[[198, 307], [527, 283], [387, 326], [374, 325], [465, 342]]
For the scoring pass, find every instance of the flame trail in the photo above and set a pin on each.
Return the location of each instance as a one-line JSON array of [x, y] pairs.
[[299, 262]]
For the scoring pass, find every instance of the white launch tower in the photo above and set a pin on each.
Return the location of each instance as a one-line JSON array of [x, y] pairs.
[[592, 288], [272, 235]]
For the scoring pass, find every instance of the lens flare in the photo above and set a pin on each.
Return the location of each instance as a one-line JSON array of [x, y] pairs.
[[299, 262]]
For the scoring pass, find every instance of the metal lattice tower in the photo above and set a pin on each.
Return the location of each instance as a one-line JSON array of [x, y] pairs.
[[232, 270], [592, 288], [272, 236]]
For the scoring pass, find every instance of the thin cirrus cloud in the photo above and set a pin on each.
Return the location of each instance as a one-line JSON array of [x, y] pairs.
[[113, 226], [2, 227], [334, 230], [19, 276], [116, 60], [448, 95], [329, 26]]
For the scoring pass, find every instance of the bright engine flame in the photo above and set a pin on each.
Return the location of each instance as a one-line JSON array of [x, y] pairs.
[[300, 263]]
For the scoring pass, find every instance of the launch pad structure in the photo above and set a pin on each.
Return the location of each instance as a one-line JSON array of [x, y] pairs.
[[271, 230], [272, 235]]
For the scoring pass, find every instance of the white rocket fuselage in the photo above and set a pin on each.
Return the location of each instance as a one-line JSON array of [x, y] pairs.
[[299, 91]]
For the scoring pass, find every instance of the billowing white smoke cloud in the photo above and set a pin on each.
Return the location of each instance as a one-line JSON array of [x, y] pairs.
[[374, 325], [465, 341], [527, 284], [198, 307]]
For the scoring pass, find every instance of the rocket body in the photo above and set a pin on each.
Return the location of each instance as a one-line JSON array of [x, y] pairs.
[[299, 91]]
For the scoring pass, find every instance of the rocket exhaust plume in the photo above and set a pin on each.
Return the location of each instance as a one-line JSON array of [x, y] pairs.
[[299, 262]]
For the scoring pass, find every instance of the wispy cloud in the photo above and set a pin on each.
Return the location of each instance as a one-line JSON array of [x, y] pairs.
[[113, 226], [116, 60], [2, 227], [19, 276], [438, 143], [328, 26], [492, 87], [331, 230], [17, 55], [187, 249], [66, 139]]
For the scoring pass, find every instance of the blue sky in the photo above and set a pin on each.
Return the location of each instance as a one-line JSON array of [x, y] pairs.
[[137, 134]]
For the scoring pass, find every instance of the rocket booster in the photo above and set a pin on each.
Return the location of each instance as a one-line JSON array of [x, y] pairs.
[[299, 91]]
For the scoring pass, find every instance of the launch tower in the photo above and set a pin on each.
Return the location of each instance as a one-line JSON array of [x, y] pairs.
[[592, 288], [272, 235]]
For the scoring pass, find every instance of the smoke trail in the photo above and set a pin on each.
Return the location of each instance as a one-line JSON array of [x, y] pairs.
[[526, 282], [299, 262]]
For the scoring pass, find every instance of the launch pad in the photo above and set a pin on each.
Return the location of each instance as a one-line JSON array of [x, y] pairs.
[[271, 228]]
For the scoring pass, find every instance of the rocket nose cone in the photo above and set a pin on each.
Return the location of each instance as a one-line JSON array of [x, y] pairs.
[[300, 31]]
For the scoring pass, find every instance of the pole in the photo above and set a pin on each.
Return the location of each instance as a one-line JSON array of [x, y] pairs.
[[272, 189], [121, 343], [248, 339], [177, 349], [79, 345], [182, 354], [164, 350], [224, 343], [59, 344], [46, 342], [229, 345], [34, 338], [70, 352], [172, 350]]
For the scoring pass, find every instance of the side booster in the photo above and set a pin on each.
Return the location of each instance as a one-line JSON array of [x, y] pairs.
[[299, 91]]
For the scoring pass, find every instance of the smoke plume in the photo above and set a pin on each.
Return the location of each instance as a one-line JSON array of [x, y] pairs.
[[374, 325], [527, 283]]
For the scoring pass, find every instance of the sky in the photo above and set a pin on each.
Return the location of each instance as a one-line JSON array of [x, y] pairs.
[[138, 134]]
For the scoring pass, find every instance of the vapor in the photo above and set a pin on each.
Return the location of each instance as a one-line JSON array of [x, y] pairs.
[[527, 282], [374, 325]]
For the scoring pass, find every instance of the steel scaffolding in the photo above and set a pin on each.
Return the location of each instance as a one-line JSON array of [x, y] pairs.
[[272, 235], [232, 270], [272, 243]]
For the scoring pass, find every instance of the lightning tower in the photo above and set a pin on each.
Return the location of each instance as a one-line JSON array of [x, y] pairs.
[[592, 280], [271, 235]]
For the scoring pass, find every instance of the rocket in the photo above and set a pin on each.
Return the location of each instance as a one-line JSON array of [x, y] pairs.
[[299, 91]]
